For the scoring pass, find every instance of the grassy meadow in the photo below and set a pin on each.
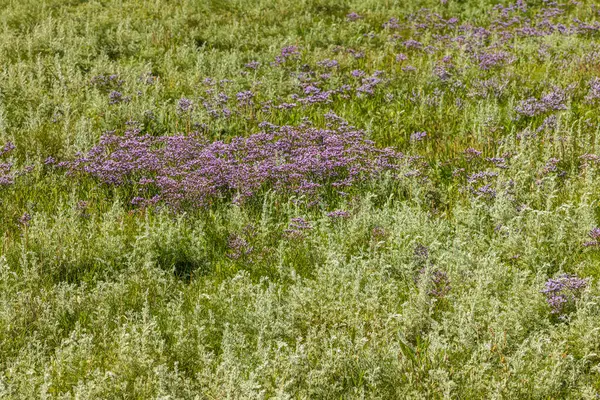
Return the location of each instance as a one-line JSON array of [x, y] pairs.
[[311, 199]]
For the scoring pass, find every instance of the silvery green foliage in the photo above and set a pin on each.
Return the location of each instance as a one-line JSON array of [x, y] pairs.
[[297, 200], [358, 323]]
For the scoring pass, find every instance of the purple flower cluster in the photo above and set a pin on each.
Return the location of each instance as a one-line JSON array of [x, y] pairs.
[[107, 82], [245, 98], [238, 247], [184, 105], [491, 87], [490, 60], [7, 175], [187, 170], [116, 97], [252, 65], [595, 235], [351, 17], [338, 214], [297, 227], [370, 83], [439, 285], [471, 153], [7, 148], [562, 292], [25, 218], [413, 44], [328, 63], [315, 95], [499, 162], [392, 24], [421, 253], [287, 53], [551, 165], [485, 191], [481, 176], [594, 92], [401, 57], [552, 101], [418, 136]]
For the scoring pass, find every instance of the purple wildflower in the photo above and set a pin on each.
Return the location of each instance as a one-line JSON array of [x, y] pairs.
[[245, 98], [184, 105], [7, 148], [413, 44], [328, 63], [369, 84], [116, 97], [562, 293], [594, 91], [297, 227], [287, 53], [472, 153], [551, 101], [418, 136], [392, 23], [551, 165], [439, 284], [499, 162], [486, 191], [481, 176], [187, 170], [595, 235], [252, 65], [490, 60], [238, 247], [25, 218], [338, 214], [421, 252], [401, 57], [351, 17]]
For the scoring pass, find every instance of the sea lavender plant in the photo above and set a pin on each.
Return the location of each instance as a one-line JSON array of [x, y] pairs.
[[439, 283], [551, 101], [338, 214], [421, 253], [7, 148], [418, 136], [186, 169], [297, 228], [351, 17], [252, 65], [595, 235], [392, 24], [287, 53], [24, 219], [493, 59], [400, 57], [594, 91], [238, 247], [562, 293]]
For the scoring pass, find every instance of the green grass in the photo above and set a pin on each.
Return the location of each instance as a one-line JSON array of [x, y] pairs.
[[107, 300]]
